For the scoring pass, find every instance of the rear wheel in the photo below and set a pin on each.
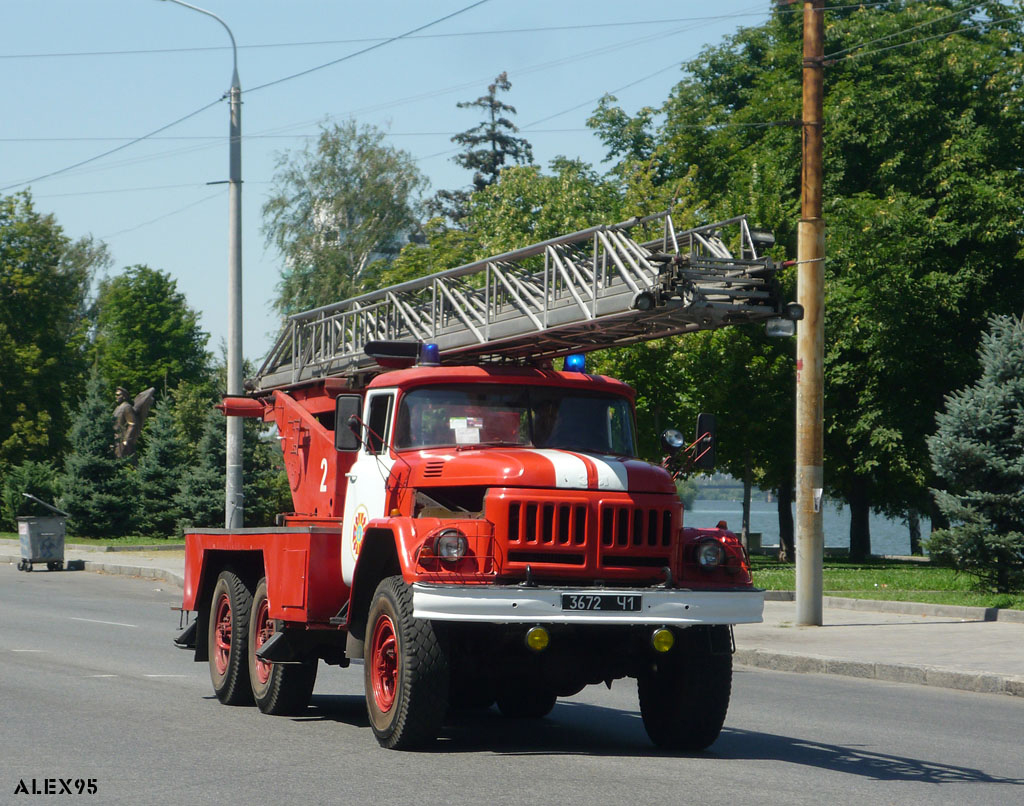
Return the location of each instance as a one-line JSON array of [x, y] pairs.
[[279, 689], [230, 607], [683, 703], [406, 670]]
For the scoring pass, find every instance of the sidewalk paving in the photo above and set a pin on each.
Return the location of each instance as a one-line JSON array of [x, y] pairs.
[[966, 648]]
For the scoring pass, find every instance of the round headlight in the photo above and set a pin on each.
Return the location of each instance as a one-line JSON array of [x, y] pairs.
[[451, 545], [710, 554]]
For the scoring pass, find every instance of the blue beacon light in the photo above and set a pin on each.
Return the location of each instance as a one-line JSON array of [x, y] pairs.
[[576, 362], [430, 355]]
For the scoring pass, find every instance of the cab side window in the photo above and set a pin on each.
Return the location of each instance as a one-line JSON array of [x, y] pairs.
[[378, 422]]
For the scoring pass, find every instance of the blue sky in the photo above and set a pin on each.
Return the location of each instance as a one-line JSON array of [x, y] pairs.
[[83, 77]]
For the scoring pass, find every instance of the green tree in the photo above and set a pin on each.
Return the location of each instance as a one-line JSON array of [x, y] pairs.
[[978, 451], [97, 490], [200, 498], [338, 212], [157, 477], [491, 143], [527, 205], [36, 478], [146, 333], [264, 483], [488, 147], [44, 281], [923, 198]]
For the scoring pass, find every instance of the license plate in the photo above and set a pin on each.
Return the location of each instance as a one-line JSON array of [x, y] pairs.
[[614, 602]]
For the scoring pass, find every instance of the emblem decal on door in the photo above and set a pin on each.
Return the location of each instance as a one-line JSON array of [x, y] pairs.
[[358, 529]]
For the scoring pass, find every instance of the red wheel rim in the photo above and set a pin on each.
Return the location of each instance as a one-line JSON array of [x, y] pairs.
[[384, 663], [222, 634], [264, 629]]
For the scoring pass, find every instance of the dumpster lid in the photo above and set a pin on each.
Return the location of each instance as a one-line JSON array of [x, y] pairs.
[[48, 506]]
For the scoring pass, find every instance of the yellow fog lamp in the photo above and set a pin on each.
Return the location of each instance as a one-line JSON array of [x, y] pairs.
[[537, 639], [662, 640]]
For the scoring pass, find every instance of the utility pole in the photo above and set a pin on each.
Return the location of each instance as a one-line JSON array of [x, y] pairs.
[[233, 497], [234, 502], [810, 345]]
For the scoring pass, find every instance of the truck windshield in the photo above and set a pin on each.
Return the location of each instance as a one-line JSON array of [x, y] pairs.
[[537, 417]]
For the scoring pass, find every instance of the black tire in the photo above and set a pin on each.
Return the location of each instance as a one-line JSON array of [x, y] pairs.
[[279, 689], [684, 703], [523, 701], [406, 673], [227, 640], [55, 566]]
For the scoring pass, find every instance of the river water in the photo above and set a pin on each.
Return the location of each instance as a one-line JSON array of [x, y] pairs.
[[887, 536]]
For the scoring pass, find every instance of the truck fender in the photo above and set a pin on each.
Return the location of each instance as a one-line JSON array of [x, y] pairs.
[[247, 564], [378, 559]]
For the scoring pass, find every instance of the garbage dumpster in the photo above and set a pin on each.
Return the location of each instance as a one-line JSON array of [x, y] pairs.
[[42, 538]]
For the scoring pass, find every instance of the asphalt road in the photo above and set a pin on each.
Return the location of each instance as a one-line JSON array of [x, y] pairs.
[[91, 688]]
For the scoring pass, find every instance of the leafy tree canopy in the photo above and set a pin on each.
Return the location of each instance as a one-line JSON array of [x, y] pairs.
[[146, 333], [923, 203], [44, 282], [339, 211]]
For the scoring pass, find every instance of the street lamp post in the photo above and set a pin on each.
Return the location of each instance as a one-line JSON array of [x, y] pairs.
[[233, 496]]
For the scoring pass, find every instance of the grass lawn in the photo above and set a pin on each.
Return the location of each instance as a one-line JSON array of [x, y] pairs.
[[110, 541], [893, 580]]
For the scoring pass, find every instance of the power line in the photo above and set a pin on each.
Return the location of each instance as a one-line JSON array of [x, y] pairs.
[[162, 217], [213, 138], [262, 86], [370, 48], [450, 35], [968, 10], [113, 150], [919, 41]]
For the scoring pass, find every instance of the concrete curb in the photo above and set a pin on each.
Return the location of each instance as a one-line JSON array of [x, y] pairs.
[[909, 608], [921, 675], [83, 547], [143, 571]]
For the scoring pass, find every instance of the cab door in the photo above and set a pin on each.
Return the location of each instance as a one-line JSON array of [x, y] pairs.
[[366, 493]]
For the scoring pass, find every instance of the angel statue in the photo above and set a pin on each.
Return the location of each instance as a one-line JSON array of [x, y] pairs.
[[128, 419]]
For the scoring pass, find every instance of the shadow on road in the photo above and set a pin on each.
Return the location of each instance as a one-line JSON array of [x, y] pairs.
[[575, 728], [349, 709], [751, 745]]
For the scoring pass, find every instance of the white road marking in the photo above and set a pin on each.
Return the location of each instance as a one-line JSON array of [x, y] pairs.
[[28, 650], [97, 621], [101, 675]]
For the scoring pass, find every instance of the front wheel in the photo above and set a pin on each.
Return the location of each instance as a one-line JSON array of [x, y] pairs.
[[279, 689], [683, 703], [406, 672], [228, 631]]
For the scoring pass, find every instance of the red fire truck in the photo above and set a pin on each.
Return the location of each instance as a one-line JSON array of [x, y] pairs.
[[474, 526]]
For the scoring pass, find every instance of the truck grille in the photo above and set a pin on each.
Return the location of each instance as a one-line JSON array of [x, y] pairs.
[[586, 533]]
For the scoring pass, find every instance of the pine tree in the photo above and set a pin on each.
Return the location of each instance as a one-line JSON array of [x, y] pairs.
[[488, 147], [264, 483], [978, 451], [201, 496], [158, 476], [97, 490]]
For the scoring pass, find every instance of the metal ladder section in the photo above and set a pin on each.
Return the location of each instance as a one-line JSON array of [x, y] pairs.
[[590, 289]]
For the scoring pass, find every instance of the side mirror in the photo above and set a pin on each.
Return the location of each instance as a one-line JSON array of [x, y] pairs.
[[704, 454], [346, 414]]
